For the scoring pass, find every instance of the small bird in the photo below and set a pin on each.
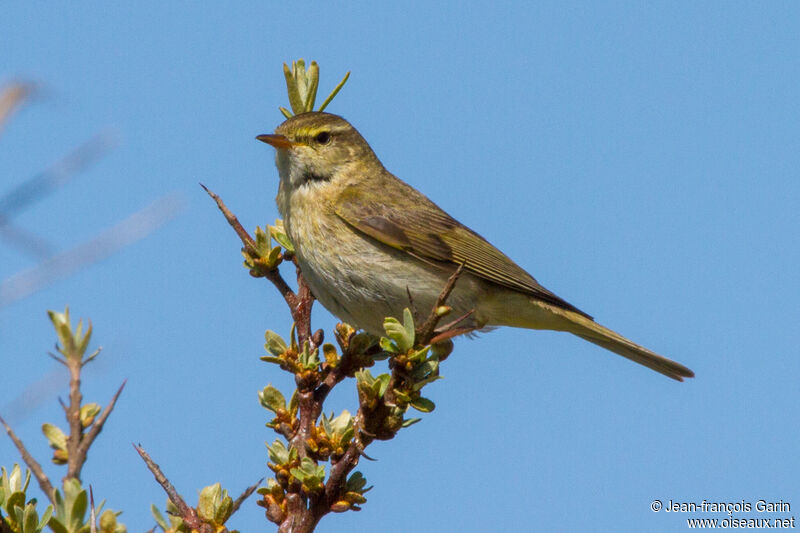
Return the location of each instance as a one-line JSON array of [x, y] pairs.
[[365, 241]]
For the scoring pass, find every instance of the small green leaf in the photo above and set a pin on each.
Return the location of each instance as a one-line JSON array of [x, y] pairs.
[[421, 383], [278, 453], [158, 517], [79, 506], [401, 334], [294, 403], [272, 399], [341, 423], [309, 473], [206, 503], [388, 345], [45, 517], [365, 376], [383, 379], [275, 343], [410, 422], [273, 257], [408, 324], [423, 404], [56, 437], [295, 101], [313, 83], [425, 369], [88, 412], [420, 355], [309, 359], [334, 92], [356, 483], [278, 232], [224, 508]]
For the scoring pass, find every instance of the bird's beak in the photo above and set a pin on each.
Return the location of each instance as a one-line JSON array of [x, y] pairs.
[[278, 141]]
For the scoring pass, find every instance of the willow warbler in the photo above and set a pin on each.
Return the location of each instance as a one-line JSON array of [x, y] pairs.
[[365, 239]]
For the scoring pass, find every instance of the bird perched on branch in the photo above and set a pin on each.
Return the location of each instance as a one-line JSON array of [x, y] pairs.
[[365, 240]]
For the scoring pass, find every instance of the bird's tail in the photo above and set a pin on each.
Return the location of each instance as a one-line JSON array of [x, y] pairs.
[[514, 309], [610, 340]]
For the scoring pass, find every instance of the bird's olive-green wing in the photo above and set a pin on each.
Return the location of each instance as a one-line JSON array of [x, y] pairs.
[[419, 227]]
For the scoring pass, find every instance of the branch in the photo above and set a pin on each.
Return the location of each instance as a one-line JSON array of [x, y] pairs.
[[244, 495], [33, 465], [427, 329], [250, 248], [96, 428], [11, 97], [188, 514], [339, 472], [74, 460]]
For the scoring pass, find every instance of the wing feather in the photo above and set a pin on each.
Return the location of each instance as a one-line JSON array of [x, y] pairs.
[[433, 236]]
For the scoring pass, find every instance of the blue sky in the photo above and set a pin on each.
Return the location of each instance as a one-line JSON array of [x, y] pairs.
[[640, 160]]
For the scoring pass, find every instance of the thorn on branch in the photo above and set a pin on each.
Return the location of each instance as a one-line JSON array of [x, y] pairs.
[[188, 514], [249, 244], [244, 495], [245, 237], [95, 429]]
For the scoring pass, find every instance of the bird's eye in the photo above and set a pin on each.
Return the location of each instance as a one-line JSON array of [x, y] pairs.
[[323, 137]]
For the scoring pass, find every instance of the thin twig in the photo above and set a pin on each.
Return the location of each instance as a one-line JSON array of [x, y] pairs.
[[425, 332], [38, 186], [246, 494], [97, 427], [188, 514], [33, 465], [245, 237], [250, 247]]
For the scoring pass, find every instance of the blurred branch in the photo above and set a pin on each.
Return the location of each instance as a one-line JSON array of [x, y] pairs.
[[38, 186], [133, 228], [32, 396], [12, 96], [24, 240]]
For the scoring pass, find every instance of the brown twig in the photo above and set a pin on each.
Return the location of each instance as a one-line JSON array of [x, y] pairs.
[[188, 514], [73, 409], [339, 471], [33, 465], [426, 331], [297, 302], [96, 428], [244, 495]]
